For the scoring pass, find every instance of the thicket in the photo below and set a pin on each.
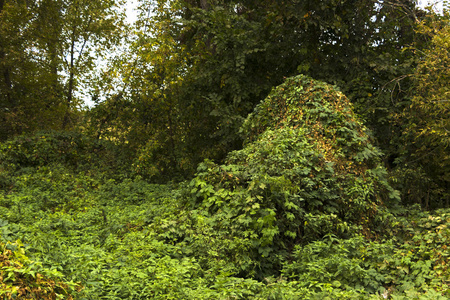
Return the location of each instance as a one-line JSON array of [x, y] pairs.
[[135, 240], [422, 165], [191, 71], [307, 170], [302, 211], [208, 168], [72, 150]]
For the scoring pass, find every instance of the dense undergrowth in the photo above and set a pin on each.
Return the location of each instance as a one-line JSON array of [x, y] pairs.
[[303, 211], [134, 240]]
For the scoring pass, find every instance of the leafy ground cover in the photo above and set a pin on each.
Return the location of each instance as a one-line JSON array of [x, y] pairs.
[[134, 240], [303, 211]]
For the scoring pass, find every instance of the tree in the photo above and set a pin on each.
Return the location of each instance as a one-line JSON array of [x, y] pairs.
[[48, 50], [202, 66], [90, 29], [22, 72], [424, 165]]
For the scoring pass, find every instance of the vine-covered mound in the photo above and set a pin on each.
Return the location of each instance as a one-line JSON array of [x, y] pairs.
[[308, 169]]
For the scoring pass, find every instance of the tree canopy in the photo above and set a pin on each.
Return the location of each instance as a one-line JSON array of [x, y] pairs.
[[48, 50]]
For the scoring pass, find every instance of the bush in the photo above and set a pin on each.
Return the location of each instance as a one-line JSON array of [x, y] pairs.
[[73, 150], [308, 169]]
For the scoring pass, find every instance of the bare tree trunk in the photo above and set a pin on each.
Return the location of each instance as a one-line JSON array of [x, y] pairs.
[[6, 71], [204, 4], [71, 82], [7, 81]]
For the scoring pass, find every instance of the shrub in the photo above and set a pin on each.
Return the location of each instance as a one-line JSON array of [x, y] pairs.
[[308, 169], [73, 150]]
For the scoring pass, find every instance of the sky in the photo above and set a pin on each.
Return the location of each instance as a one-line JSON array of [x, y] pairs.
[[131, 11], [438, 3]]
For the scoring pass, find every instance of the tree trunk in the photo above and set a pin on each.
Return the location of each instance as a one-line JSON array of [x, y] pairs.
[[7, 80], [71, 82], [6, 70]]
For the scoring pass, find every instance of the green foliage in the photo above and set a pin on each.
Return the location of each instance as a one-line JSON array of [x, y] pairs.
[[73, 150], [133, 240], [423, 166], [155, 163], [22, 278], [307, 170], [430, 105], [302, 211], [29, 92], [198, 68], [48, 51]]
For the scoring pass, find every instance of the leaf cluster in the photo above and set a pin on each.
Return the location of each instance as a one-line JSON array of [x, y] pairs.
[[22, 278]]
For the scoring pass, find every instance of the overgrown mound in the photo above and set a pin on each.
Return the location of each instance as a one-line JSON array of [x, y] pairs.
[[308, 169]]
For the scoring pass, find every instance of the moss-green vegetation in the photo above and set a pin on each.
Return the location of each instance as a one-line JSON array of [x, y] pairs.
[[302, 211], [22, 278]]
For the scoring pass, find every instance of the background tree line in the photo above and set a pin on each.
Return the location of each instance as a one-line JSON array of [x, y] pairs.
[[48, 49], [191, 71]]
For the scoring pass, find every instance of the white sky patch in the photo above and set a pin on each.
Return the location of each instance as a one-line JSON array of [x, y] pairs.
[[438, 5], [132, 12]]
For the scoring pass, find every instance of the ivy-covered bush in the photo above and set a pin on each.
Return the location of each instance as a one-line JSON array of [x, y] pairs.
[[308, 169]]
